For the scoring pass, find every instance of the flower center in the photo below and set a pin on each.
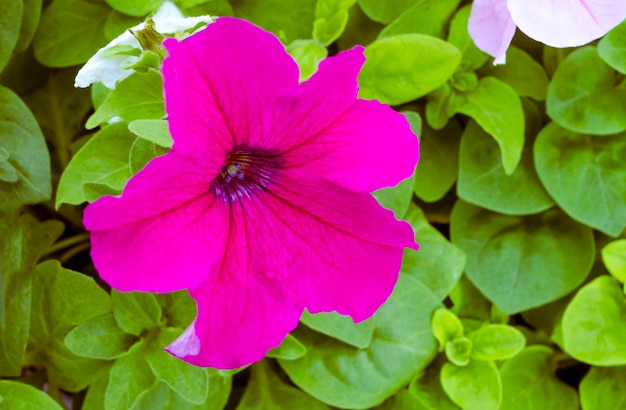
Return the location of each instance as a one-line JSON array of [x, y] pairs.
[[245, 171]]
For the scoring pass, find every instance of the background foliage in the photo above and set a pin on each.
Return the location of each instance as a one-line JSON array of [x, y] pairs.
[[514, 301]]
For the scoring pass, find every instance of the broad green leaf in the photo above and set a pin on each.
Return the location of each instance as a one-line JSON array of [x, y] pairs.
[[161, 397], [397, 198], [21, 139], [156, 131], [136, 8], [529, 383], [178, 309], [94, 399], [289, 19], [507, 257], [426, 388], [31, 14], [341, 327], [8, 173], [438, 264], [526, 76], [484, 182], [496, 342], [402, 400], [583, 95], [135, 311], [331, 17], [468, 302], [420, 64], [585, 175], [99, 338], [71, 31], [458, 36], [602, 388], [103, 160], [289, 349], [265, 390], [63, 299], [143, 151], [446, 327], [496, 107], [424, 17], [22, 240], [344, 376], [458, 351], [21, 396], [130, 376], [308, 54], [118, 22], [139, 96], [594, 325], [10, 21], [387, 11], [476, 386], [612, 48], [614, 258], [438, 166]]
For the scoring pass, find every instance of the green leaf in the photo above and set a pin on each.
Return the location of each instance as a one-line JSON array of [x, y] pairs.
[[476, 386], [397, 198], [139, 96], [496, 342], [28, 156], [421, 64], [21, 396], [61, 300], [135, 312], [94, 399], [10, 22], [438, 264], [143, 151], [117, 23], [438, 166], [496, 107], [31, 14], [484, 182], [612, 48], [446, 327], [507, 258], [387, 11], [308, 54], [529, 383], [178, 309], [136, 8], [341, 327], [331, 17], [99, 338], [289, 349], [344, 376], [266, 390], [22, 240], [130, 376], [8, 173], [602, 388], [468, 302], [102, 160], [522, 73], [583, 95], [614, 258], [156, 131], [426, 388], [458, 36], [458, 351], [71, 31], [419, 19], [585, 175], [594, 323]]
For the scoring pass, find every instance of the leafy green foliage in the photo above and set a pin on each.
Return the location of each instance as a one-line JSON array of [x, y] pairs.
[[21, 396], [602, 388], [10, 19]]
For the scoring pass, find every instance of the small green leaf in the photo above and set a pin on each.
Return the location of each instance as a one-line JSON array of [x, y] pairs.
[[397, 198], [21, 396], [529, 382], [421, 64], [614, 258], [156, 131], [419, 19], [458, 351], [476, 386], [331, 17], [10, 21], [178, 308], [136, 8], [130, 376], [142, 152], [526, 76], [139, 96], [446, 327], [99, 338], [308, 54], [135, 311], [612, 48], [602, 388], [386, 11], [585, 175], [289, 349], [496, 342], [341, 327], [426, 388], [583, 95], [594, 326]]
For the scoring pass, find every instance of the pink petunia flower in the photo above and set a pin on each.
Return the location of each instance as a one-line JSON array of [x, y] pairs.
[[556, 23], [262, 208]]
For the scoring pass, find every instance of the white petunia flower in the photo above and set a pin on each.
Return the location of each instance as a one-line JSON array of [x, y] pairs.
[[107, 67]]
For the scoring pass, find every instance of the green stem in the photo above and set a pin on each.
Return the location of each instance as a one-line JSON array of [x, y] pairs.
[[66, 243], [73, 252]]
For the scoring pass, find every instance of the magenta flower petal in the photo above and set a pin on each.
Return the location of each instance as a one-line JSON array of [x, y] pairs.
[[163, 224], [566, 23], [491, 27]]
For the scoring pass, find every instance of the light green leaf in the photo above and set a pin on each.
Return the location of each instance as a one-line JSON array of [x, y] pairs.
[[117, 23], [136, 8], [476, 386], [143, 151], [468, 302], [397, 198], [10, 22], [612, 48], [594, 329], [386, 11], [583, 95], [446, 327], [602, 388], [529, 383], [99, 338], [308, 54], [426, 388], [419, 19], [71, 31], [21, 396], [156, 131], [102, 160], [130, 376], [458, 351], [458, 36], [421, 64], [139, 96], [496, 342], [507, 258], [31, 14], [331, 17], [585, 175], [341, 327], [135, 311], [526, 76], [614, 258], [289, 349], [28, 156]]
